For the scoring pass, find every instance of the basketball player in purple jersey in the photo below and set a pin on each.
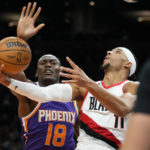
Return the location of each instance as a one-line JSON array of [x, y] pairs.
[[49, 125], [46, 126]]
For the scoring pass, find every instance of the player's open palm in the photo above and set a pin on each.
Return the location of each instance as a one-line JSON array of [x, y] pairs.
[[76, 74], [26, 24]]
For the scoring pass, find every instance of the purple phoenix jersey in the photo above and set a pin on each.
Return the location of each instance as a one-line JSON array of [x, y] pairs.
[[50, 126]]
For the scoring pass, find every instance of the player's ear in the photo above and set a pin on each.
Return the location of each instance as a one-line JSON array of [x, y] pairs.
[[128, 65]]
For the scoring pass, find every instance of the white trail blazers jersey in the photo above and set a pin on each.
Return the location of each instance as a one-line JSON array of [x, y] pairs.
[[101, 129]]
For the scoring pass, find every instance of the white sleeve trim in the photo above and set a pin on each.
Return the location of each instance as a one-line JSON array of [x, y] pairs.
[[55, 92]]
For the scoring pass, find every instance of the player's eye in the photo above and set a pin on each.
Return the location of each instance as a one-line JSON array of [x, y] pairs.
[[54, 63], [42, 62]]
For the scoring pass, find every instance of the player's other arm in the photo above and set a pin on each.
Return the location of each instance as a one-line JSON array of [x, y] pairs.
[[118, 105], [56, 92]]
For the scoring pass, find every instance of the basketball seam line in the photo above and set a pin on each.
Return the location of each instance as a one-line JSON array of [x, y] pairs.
[[12, 63], [11, 40], [14, 50]]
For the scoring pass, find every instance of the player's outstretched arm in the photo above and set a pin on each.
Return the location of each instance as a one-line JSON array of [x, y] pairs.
[[37, 93], [111, 102], [26, 24]]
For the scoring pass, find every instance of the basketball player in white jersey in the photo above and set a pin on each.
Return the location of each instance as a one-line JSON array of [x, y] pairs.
[[106, 105], [104, 116]]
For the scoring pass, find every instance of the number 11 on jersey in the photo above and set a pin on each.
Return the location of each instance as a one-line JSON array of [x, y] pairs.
[[120, 120]]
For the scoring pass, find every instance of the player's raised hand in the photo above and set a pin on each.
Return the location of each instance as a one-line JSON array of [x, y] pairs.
[[26, 24], [76, 74]]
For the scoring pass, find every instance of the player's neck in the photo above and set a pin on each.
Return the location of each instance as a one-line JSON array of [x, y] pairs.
[[111, 78], [43, 84]]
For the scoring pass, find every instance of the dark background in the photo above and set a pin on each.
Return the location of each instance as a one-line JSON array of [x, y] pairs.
[[74, 28]]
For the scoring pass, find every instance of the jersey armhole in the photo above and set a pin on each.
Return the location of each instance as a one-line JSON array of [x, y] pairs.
[[76, 107], [25, 119], [83, 100], [127, 81]]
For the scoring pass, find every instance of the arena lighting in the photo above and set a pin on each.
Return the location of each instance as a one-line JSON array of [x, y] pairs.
[[91, 3], [143, 19], [139, 15], [12, 18], [12, 23], [131, 1], [66, 3], [9, 16]]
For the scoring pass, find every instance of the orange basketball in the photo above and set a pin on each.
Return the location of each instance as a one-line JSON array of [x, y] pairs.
[[15, 54]]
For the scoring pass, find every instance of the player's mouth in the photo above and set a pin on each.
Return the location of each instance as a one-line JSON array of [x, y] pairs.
[[106, 58], [48, 72]]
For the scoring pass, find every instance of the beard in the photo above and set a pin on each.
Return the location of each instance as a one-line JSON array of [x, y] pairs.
[[105, 66], [49, 81], [46, 81]]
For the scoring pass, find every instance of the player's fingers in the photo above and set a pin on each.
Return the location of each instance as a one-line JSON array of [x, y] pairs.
[[32, 9], [28, 9], [73, 65], [23, 11], [39, 27], [66, 75], [69, 70], [69, 81], [37, 13]]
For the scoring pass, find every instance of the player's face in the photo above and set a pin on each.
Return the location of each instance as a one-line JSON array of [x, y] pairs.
[[114, 58], [48, 69]]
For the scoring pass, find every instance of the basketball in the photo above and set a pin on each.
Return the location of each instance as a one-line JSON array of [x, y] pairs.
[[15, 54]]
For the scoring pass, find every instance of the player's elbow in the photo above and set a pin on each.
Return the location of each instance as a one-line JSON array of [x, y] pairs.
[[123, 112]]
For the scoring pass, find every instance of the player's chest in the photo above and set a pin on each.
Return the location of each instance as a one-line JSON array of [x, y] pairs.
[[90, 103]]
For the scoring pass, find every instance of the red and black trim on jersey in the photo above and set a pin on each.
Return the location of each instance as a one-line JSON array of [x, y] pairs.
[[107, 87], [93, 129]]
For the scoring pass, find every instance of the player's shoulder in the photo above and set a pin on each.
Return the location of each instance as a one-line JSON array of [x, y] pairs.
[[132, 83], [131, 86]]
